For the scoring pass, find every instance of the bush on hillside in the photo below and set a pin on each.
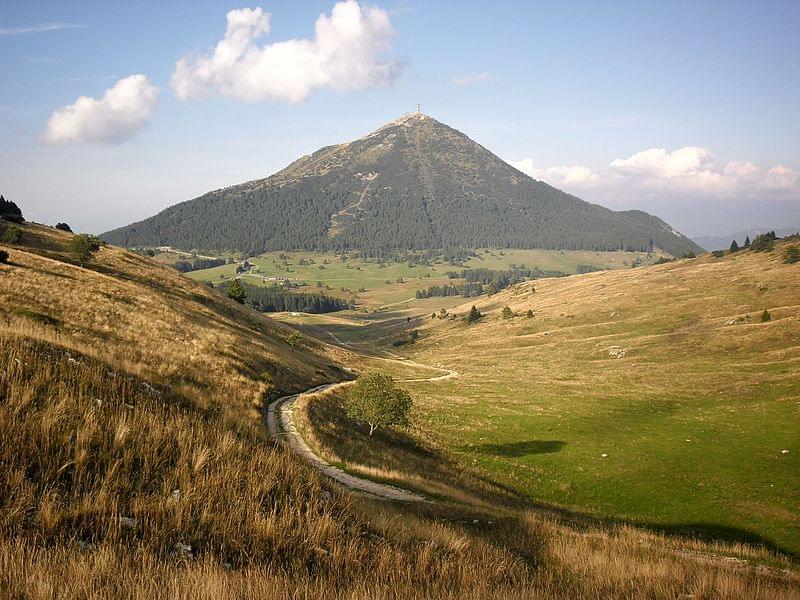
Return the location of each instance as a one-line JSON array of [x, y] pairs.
[[507, 313], [10, 211], [375, 400], [11, 235], [3, 257], [718, 253], [236, 291], [474, 314], [766, 316], [764, 242], [791, 255], [64, 227], [529, 314], [83, 247]]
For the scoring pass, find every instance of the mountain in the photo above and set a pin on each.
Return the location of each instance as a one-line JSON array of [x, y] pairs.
[[723, 242], [415, 183]]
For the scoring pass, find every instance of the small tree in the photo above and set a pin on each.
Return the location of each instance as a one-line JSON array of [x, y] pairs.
[[83, 247], [747, 241], [765, 316], [236, 291], [529, 314], [374, 399], [507, 313], [474, 314], [734, 246], [63, 227]]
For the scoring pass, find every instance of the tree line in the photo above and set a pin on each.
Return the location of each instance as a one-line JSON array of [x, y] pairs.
[[275, 298]]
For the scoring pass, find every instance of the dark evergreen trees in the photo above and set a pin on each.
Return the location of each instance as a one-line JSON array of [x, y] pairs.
[[236, 291], [10, 211], [63, 227], [734, 246], [474, 314], [747, 241]]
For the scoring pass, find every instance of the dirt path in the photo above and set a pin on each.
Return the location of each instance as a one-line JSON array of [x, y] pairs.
[[281, 428], [280, 423]]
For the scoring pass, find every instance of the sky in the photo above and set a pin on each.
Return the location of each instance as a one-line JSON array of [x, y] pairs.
[[112, 111]]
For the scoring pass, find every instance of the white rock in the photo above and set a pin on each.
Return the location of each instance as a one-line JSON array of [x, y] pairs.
[[784, 451], [184, 550], [127, 521], [604, 455]]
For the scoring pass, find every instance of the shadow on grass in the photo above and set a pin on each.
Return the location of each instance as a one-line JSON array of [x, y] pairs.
[[517, 449], [400, 451]]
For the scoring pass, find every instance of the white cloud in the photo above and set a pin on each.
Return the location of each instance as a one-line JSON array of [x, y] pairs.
[[576, 176], [345, 54], [116, 117], [39, 28], [470, 79], [690, 172]]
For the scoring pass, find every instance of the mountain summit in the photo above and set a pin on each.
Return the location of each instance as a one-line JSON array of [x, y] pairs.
[[414, 183]]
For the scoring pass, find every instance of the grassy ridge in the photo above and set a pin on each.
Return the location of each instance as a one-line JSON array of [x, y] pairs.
[[666, 370]]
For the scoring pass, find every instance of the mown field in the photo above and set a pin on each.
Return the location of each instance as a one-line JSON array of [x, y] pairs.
[[654, 396], [375, 285]]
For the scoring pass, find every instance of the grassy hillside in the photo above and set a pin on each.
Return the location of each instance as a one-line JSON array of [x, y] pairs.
[[653, 395], [133, 464]]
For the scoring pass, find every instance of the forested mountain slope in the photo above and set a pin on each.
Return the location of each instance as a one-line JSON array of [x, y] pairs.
[[415, 183]]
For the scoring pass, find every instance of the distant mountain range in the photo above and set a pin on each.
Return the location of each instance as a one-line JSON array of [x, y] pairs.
[[723, 242], [415, 183]]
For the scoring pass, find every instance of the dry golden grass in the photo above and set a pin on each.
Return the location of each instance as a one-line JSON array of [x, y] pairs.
[[133, 464]]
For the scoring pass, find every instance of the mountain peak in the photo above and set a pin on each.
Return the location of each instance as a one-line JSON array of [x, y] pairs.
[[413, 183]]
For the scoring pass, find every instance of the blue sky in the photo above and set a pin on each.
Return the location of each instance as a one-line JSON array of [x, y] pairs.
[[686, 110]]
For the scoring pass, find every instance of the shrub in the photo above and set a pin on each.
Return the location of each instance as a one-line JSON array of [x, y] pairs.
[[690, 254], [766, 316], [63, 227], [10, 211], [3, 257], [474, 314], [83, 247], [374, 399], [507, 313], [662, 260], [529, 314], [293, 339], [12, 235], [719, 253], [791, 255], [764, 242], [414, 335], [236, 291]]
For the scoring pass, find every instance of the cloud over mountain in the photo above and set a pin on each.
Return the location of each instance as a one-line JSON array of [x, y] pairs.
[[688, 171], [345, 54], [122, 111]]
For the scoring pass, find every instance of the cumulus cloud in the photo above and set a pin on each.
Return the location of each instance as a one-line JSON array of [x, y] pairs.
[[345, 54], [689, 172], [116, 117], [470, 79]]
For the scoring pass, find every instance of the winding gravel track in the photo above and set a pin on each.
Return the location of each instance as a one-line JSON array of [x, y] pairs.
[[281, 428], [280, 423]]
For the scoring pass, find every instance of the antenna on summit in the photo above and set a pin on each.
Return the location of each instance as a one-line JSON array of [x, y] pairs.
[[418, 111]]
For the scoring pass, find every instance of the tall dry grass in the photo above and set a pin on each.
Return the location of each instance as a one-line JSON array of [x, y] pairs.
[[133, 465]]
